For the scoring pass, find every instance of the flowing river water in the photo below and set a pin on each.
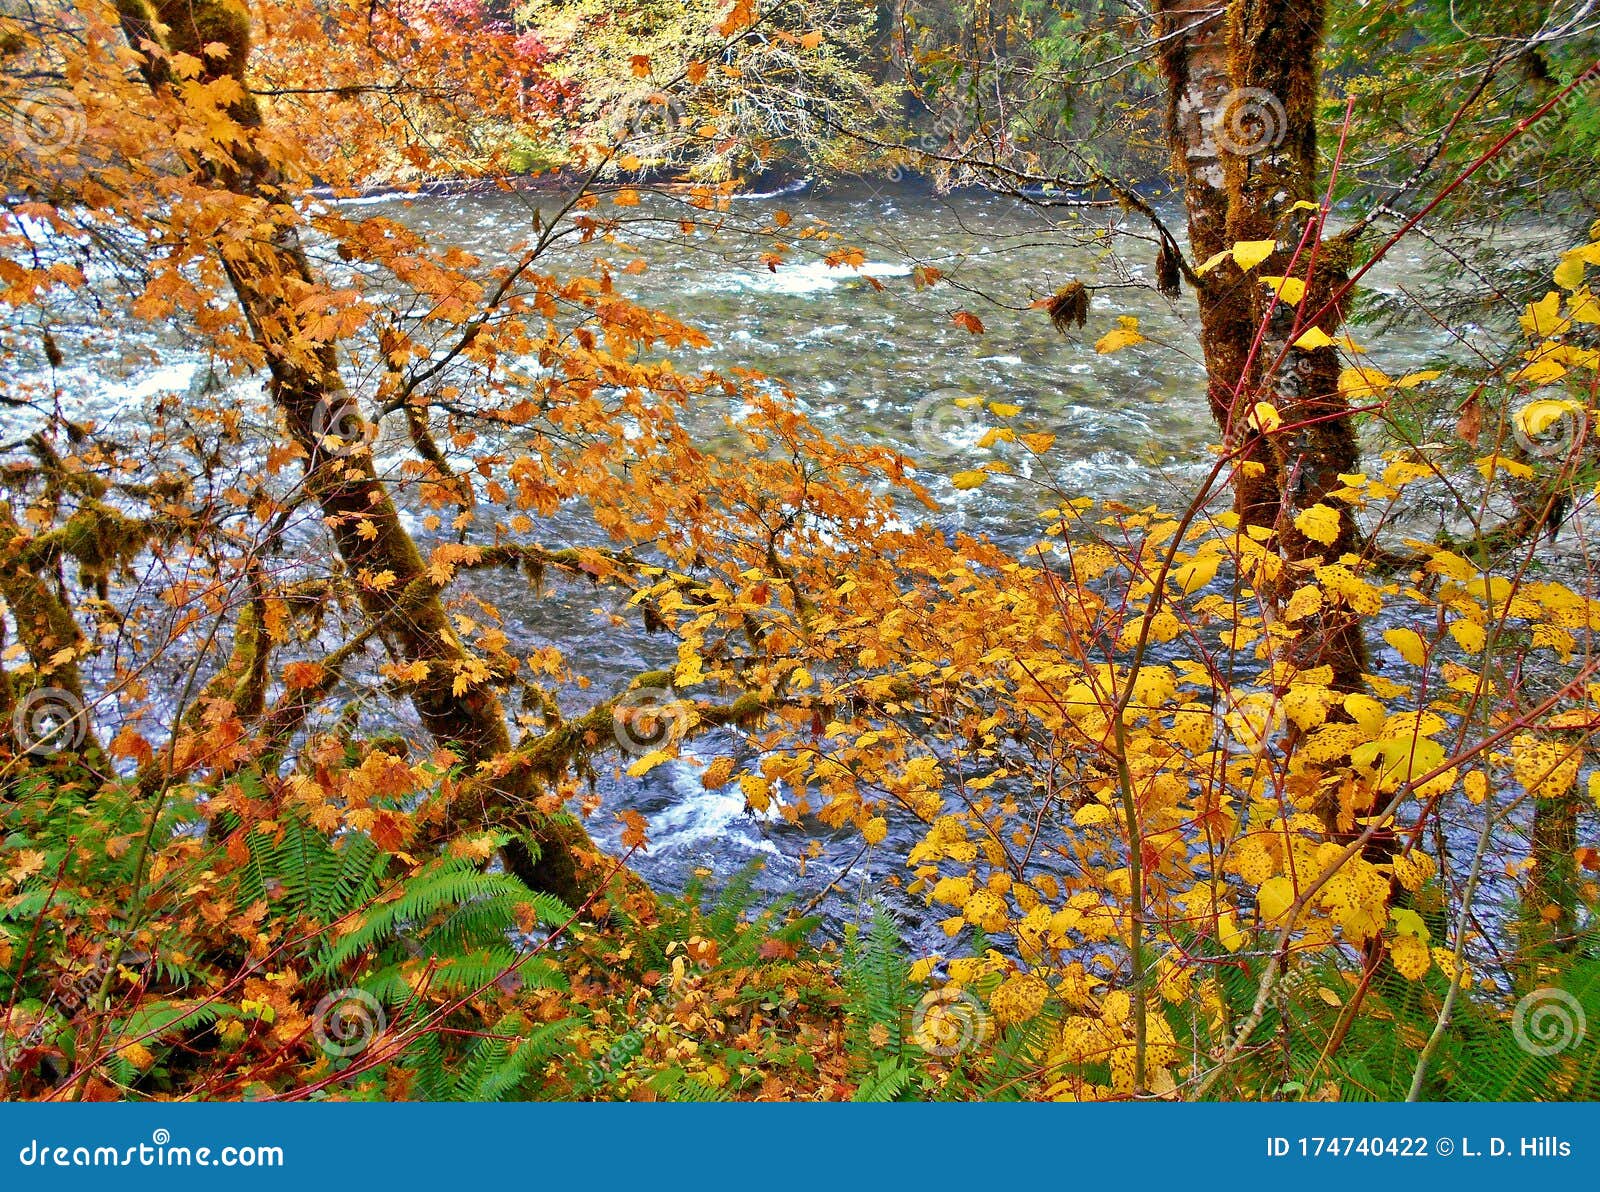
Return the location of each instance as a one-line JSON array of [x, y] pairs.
[[870, 357]]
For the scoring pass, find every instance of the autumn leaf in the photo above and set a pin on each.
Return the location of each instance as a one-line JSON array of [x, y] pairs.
[[1247, 254], [633, 830], [1288, 289], [967, 321], [1319, 523], [1124, 335], [1408, 644]]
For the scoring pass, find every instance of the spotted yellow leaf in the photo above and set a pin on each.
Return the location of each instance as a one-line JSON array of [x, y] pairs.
[[1319, 523]]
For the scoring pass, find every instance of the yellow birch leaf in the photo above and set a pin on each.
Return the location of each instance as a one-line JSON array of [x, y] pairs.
[[1569, 274], [1274, 898], [1228, 933], [1312, 338], [1250, 253], [1124, 335], [1288, 289], [1196, 573], [1409, 644], [1319, 523], [1367, 712], [1362, 381]]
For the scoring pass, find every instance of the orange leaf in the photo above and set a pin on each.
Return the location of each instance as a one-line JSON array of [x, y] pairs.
[[633, 829], [967, 321]]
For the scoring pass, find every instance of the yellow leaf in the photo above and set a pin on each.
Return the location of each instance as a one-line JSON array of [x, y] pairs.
[[1288, 289], [1228, 933], [1274, 898], [757, 791], [1543, 317], [875, 830], [1265, 417], [1319, 523], [1409, 644], [1362, 381], [1469, 635], [1539, 416], [1212, 262], [1125, 335], [1004, 409], [1313, 337], [1250, 253], [1569, 274], [1367, 712], [969, 479], [648, 762], [1306, 602], [1196, 573], [1410, 956], [1412, 380]]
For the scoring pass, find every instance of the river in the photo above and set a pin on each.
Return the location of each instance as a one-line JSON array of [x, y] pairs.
[[871, 357]]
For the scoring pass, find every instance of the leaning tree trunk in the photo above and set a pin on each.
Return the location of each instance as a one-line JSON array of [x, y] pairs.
[[1242, 93], [307, 389]]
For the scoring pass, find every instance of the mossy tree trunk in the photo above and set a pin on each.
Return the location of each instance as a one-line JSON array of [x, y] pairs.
[[1242, 95], [307, 388]]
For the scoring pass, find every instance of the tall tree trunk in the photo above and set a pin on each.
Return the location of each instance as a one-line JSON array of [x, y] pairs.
[[307, 388], [1242, 96]]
